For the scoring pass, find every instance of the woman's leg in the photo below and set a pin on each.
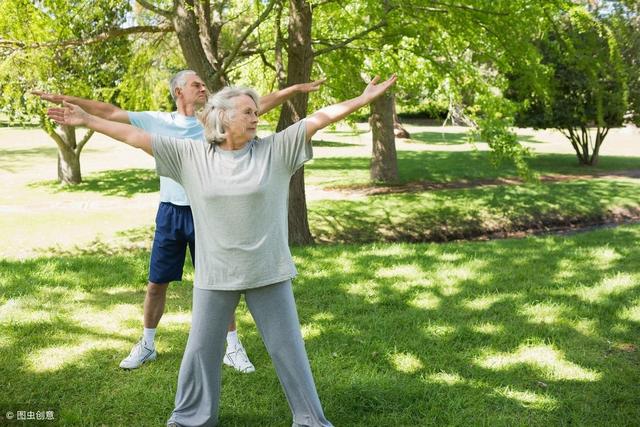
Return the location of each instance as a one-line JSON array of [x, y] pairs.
[[274, 311], [198, 394]]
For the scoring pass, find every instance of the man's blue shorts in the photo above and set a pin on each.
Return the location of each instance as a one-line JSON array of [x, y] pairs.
[[174, 232]]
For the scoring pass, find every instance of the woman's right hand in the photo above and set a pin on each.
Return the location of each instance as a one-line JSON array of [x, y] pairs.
[[69, 114]]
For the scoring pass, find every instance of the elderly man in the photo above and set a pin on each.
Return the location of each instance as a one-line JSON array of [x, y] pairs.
[[174, 221]]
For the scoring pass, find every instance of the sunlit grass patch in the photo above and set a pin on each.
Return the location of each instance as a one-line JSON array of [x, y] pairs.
[[397, 250], [57, 357], [113, 320], [586, 327], [438, 329], [608, 287], [17, 311], [177, 318], [486, 302], [425, 301], [447, 378], [406, 362], [604, 256], [548, 360], [631, 313], [542, 312], [528, 398], [311, 330], [409, 272], [488, 328], [368, 290]]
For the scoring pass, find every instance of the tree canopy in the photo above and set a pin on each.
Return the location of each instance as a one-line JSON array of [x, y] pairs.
[[586, 86]]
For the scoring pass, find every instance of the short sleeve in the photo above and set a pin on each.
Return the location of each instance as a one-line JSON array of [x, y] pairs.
[[147, 120], [290, 146], [169, 154]]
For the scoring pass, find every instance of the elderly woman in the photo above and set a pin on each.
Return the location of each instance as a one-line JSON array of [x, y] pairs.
[[238, 187]]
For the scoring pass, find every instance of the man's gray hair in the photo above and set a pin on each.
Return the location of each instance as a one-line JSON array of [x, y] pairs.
[[219, 110], [179, 80]]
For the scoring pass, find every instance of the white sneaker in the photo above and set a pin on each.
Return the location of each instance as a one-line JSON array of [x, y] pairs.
[[140, 353], [237, 358]]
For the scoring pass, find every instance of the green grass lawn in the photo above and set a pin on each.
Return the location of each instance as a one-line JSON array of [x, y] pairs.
[[538, 331], [450, 166], [467, 213], [523, 332]]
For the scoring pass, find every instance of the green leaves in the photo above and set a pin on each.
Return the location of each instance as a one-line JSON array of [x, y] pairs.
[[586, 86], [45, 50]]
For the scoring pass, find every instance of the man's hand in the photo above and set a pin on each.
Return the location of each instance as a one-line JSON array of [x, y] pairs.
[[69, 114], [46, 96], [374, 90], [311, 86]]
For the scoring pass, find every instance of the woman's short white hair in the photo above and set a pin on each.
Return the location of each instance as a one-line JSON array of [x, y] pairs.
[[219, 110], [179, 80]]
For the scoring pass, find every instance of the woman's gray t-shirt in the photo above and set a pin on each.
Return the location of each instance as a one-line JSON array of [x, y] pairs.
[[239, 201]]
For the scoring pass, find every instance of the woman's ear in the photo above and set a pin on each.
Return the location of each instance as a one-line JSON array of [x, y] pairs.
[[223, 118]]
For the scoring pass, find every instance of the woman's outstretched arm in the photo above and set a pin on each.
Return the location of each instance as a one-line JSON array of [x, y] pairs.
[[73, 115], [331, 114]]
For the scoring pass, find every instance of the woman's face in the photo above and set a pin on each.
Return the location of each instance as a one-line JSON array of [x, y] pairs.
[[243, 120]]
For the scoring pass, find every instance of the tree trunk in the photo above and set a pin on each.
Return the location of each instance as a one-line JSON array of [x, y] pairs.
[[300, 60], [68, 157], [68, 167], [384, 162], [187, 31], [398, 130], [582, 143]]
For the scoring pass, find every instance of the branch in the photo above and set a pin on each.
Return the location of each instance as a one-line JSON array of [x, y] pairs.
[[234, 52], [84, 140], [113, 33], [321, 3], [469, 8], [162, 12], [350, 39], [266, 62], [429, 9]]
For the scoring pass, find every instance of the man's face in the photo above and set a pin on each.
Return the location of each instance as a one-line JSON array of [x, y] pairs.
[[194, 91]]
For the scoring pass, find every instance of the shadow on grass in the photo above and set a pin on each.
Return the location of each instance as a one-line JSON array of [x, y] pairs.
[[531, 139], [124, 183], [352, 132], [472, 213], [442, 167], [512, 332], [322, 143], [17, 160], [441, 138]]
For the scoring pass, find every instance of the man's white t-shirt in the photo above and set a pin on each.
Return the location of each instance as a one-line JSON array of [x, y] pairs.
[[175, 125]]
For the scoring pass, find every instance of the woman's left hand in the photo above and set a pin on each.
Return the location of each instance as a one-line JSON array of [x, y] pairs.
[[374, 90]]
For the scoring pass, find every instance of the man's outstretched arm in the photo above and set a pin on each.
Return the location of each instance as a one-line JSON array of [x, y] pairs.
[[271, 101], [96, 108], [73, 115]]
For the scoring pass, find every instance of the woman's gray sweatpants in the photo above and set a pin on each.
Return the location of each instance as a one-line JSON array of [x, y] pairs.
[[274, 311]]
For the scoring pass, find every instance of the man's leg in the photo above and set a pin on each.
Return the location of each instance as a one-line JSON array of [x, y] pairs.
[[166, 265], [154, 303], [145, 349], [235, 355]]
